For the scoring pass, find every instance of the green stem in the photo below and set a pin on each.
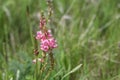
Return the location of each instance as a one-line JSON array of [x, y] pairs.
[[31, 35], [29, 25], [6, 62], [47, 75], [37, 68], [51, 59]]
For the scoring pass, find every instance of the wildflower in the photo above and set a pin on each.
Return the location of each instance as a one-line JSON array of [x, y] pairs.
[[48, 44], [47, 40]]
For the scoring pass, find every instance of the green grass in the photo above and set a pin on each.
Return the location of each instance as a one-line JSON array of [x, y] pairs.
[[87, 32]]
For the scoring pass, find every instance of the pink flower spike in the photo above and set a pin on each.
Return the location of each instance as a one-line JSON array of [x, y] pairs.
[[46, 39]]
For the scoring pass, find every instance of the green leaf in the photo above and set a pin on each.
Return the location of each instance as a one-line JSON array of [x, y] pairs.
[[72, 71]]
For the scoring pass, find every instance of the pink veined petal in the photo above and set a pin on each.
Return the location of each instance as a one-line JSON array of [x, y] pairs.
[[44, 48], [45, 42], [39, 32], [40, 36]]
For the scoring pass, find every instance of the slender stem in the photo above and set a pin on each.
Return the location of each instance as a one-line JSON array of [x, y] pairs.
[[43, 67], [51, 59], [6, 61], [29, 24], [47, 75], [36, 68]]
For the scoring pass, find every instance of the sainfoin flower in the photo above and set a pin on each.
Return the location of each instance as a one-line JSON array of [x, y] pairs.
[[47, 40], [47, 43]]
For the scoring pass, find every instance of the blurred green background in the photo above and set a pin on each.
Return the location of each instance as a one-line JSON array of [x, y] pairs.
[[87, 32]]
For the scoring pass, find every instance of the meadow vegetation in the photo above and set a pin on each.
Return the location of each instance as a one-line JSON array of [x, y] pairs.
[[87, 33]]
